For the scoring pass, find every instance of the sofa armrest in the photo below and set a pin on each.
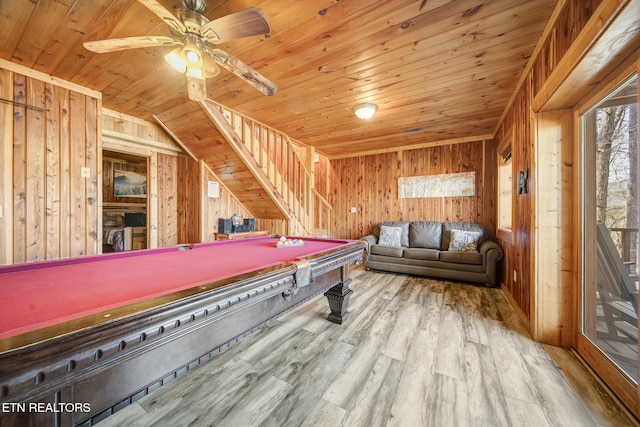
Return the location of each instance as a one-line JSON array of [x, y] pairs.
[[491, 254], [490, 245], [369, 240]]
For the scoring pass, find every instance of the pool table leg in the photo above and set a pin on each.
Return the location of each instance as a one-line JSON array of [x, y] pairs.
[[338, 297]]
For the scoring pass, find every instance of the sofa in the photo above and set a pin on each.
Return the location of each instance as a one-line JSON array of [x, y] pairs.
[[447, 250]]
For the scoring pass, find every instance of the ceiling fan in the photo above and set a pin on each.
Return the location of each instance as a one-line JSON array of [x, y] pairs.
[[196, 37]]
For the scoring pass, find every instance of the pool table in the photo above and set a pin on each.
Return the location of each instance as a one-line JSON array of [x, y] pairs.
[[81, 338]]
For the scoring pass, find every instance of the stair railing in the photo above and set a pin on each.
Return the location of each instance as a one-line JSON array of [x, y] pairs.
[[287, 170]]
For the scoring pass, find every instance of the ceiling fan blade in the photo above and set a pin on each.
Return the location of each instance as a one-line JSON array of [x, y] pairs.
[[246, 23], [245, 72], [164, 14], [113, 45]]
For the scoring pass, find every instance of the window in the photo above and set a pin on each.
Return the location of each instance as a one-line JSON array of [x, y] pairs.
[[505, 187]]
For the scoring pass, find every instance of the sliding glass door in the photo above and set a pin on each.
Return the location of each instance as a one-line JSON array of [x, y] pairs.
[[610, 221]]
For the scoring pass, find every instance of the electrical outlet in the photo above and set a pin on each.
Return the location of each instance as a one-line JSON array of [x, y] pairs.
[[354, 210], [515, 276], [85, 172]]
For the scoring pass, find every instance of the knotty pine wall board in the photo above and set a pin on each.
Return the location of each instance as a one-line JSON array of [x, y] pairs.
[[168, 205], [49, 210], [519, 119], [221, 207], [571, 19], [77, 186], [19, 176], [189, 198], [370, 184], [54, 161], [93, 156]]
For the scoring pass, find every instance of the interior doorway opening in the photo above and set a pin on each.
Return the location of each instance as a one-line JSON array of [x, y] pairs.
[[124, 202]]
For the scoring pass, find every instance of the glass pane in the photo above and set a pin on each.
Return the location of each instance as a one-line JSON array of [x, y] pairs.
[[505, 192], [610, 294]]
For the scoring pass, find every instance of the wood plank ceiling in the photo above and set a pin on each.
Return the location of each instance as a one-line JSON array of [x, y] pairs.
[[438, 69]]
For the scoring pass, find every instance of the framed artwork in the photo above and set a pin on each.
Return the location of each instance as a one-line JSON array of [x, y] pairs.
[[522, 181], [129, 184], [441, 185]]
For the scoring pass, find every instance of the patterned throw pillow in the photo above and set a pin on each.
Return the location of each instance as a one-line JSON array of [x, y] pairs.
[[390, 236], [464, 241]]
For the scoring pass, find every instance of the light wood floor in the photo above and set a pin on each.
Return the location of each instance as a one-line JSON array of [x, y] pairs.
[[415, 352]]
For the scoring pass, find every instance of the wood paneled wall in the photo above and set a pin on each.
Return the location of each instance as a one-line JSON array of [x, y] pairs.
[[131, 136], [221, 207], [519, 249], [169, 208], [323, 176], [189, 199], [140, 132], [370, 184], [48, 209], [570, 20]]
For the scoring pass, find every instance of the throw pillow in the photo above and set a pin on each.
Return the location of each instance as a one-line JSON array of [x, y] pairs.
[[404, 237], [464, 241], [469, 247], [390, 236]]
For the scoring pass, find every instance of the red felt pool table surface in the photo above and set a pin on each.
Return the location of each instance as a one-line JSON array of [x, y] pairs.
[[37, 295]]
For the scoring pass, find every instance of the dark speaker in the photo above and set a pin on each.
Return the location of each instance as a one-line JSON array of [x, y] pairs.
[[224, 225], [250, 224]]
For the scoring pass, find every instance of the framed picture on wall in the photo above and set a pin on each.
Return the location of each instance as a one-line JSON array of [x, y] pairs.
[[129, 184]]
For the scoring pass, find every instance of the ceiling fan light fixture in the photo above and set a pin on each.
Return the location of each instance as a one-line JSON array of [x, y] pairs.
[[196, 73], [175, 59], [210, 68], [195, 35], [365, 111], [192, 55]]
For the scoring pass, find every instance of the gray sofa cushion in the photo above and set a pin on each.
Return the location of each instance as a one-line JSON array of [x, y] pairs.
[[422, 253], [464, 226], [461, 257], [425, 234], [386, 251], [404, 237], [435, 267]]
